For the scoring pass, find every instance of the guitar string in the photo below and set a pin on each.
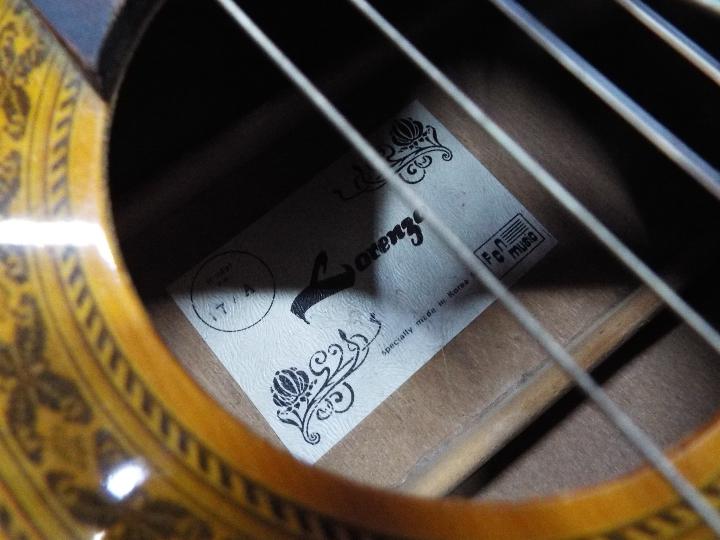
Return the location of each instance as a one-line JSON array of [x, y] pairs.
[[674, 37], [655, 132], [640, 269], [711, 5], [613, 412], [546, 180]]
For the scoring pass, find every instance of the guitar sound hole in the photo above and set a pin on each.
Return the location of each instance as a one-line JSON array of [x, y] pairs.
[[208, 137]]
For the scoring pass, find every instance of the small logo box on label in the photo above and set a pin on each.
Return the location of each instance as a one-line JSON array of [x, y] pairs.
[[511, 244]]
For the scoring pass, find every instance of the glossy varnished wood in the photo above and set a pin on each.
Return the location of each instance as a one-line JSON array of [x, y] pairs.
[[91, 396]]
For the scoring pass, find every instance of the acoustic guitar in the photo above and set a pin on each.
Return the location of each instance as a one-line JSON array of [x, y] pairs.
[[215, 217]]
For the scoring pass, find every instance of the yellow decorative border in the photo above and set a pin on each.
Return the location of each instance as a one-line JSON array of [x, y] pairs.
[[83, 377]]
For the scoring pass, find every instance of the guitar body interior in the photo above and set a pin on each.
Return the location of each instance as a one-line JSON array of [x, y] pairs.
[[126, 161]]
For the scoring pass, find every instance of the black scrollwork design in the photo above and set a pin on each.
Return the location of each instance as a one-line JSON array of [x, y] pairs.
[[9, 179], [410, 154], [323, 390], [136, 515], [14, 264], [26, 376], [16, 64]]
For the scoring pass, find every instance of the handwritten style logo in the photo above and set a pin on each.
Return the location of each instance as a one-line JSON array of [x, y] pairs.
[[410, 155], [322, 286], [321, 391]]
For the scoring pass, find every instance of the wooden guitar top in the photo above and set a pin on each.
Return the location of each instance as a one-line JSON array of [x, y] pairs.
[[104, 434]]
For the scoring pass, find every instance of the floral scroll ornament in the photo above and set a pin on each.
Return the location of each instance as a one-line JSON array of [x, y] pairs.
[[122, 507], [16, 65], [30, 383], [305, 396], [410, 154]]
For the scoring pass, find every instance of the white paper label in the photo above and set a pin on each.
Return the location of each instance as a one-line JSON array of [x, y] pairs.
[[326, 305]]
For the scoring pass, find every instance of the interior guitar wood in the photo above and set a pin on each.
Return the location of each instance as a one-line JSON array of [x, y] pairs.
[[224, 137]]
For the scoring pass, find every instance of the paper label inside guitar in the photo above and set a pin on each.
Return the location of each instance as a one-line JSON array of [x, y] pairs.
[[330, 302]]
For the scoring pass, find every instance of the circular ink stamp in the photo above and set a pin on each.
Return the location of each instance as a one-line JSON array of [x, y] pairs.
[[232, 291]]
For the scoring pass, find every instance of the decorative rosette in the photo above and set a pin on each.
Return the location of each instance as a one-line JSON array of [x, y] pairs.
[[410, 153], [290, 388], [406, 132], [303, 398]]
